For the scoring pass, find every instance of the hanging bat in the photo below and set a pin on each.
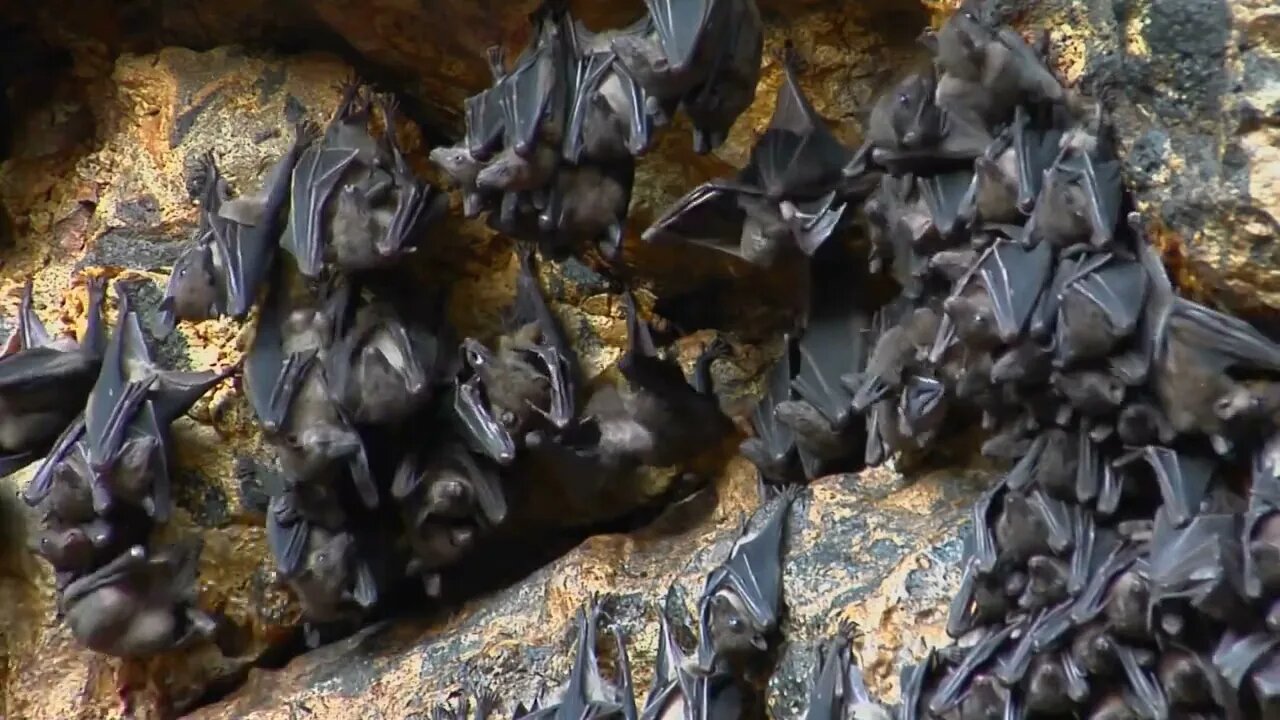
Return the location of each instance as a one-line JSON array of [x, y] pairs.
[[587, 203], [236, 242], [1183, 479], [1080, 199], [588, 693], [322, 566], [922, 409], [773, 449], [444, 501], [949, 690], [899, 225], [126, 420], [1054, 683], [535, 97], [1008, 175], [672, 56], [909, 132], [416, 203], [730, 89], [786, 194], [607, 118], [1199, 564], [380, 368], [742, 599], [292, 400], [45, 380], [1099, 306], [895, 354], [836, 688], [944, 194], [994, 305], [138, 605]]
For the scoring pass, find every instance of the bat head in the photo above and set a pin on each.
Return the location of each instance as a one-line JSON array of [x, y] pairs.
[[501, 174], [65, 550], [457, 162], [449, 496], [192, 290], [733, 634], [916, 120], [330, 563]]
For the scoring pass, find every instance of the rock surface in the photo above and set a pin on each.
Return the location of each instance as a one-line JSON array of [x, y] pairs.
[[105, 110]]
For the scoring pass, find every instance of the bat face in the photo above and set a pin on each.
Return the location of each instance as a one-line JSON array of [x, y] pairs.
[[192, 290]]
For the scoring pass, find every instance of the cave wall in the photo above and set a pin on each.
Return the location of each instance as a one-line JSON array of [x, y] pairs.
[[108, 104]]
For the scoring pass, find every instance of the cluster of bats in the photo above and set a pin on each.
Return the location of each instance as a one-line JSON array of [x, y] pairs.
[[550, 148], [738, 617], [1122, 568]]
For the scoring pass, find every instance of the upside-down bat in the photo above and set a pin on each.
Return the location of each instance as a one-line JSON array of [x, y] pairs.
[[1199, 564], [994, 305], [1080, 199], [608, 117], [445, 499], [529, 384], [836, 688], [127, 419], [139, 604], [1099, 304], [1008, 175], [742, 599], [714, 105], [588, 693], [909, 132], [787, 194], [45, 380], [291, 398], [236, 242], [773, 449]]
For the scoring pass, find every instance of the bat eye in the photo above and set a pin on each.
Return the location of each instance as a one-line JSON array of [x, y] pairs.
[[970, 16], [508, 418], [904, 99], [322, 558]]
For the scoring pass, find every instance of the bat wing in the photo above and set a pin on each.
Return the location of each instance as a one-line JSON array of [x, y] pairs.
[[1015, 277], [147, 425], [669, 675], [815, 220], [681, 25], [591, 69], [708, 215], [482, 432], [408, 476], [1119, 288], [949, 691], [1056, 516], [315, 177], [1237, 654], [641, 123], [912, 681], [485, 122], [1145, 689], [1107, 193], [961, 615], [832, 344], [1092, 548], [776, 441], [115, 399], [585, 674], [985, 550], [1045, 318], [1196, 560], [944, 193], [42, 482], [31, 369], [272, 376], [1228, 341], [31, 332], [485, 482], [248, 252], [1036, 151], [287, 535], [798, 155], [525, 98], [827, 691]]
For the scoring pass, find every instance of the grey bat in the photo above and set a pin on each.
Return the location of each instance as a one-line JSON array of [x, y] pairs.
[[608, 118], [530, 383], [224, 269], [535, 93], [444, 499], [773, 449], [1183, 478], [1195, 349], [322, 566], [1091, 392], [1199, 564], [588, 203], [908, 131], [380, 368], [462, 168], [674, 54], [1008, 175], [1099, 306], [922, 408], [127, 417], [995, 304], [45, 380], [896, 352], [989, 69], [730, 89], [1054, 683], [1079, 202], [836, 688], [292, 400], [1262, 523], [785, 197], [587, 693], [138, 605], [658, 418], [899, 226], [486, 124], [681, 689], [742, 599]]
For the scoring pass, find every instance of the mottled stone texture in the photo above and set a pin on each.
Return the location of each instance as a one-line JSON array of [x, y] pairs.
[[107, 103]]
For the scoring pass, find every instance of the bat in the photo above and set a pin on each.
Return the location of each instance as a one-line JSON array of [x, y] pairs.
[[981, 599], [944, 195], [898, 223], [416, 202], [912, 682], [895, 353], [1099, 306], [534, 97], [673, 55], [290, 396], [922, 408], [45, 381], [909, 132], [1239, 652], [773, 449], [836, 689], [380, 368], [785, 196], [485, 120], [588, 204], [1195, 348], [462, 169], [587, 693], [607, 117], [948, 693], [1009, 173], [1183, 479], [223, 271], [442, 499], [126, 419], [1053, 685], [139, 604], [742, 598], [995, 304], [1200, 564], [730, 88], [1188, 679], [1079, 201]]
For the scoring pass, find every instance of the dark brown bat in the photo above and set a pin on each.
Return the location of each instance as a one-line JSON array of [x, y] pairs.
[[588, 203], [995, 305], [730, 89], [45, 380], [138, 605], [836, 688], [908, 131], [1079, 202], [608, 117], [588, 693], [773, 449]]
